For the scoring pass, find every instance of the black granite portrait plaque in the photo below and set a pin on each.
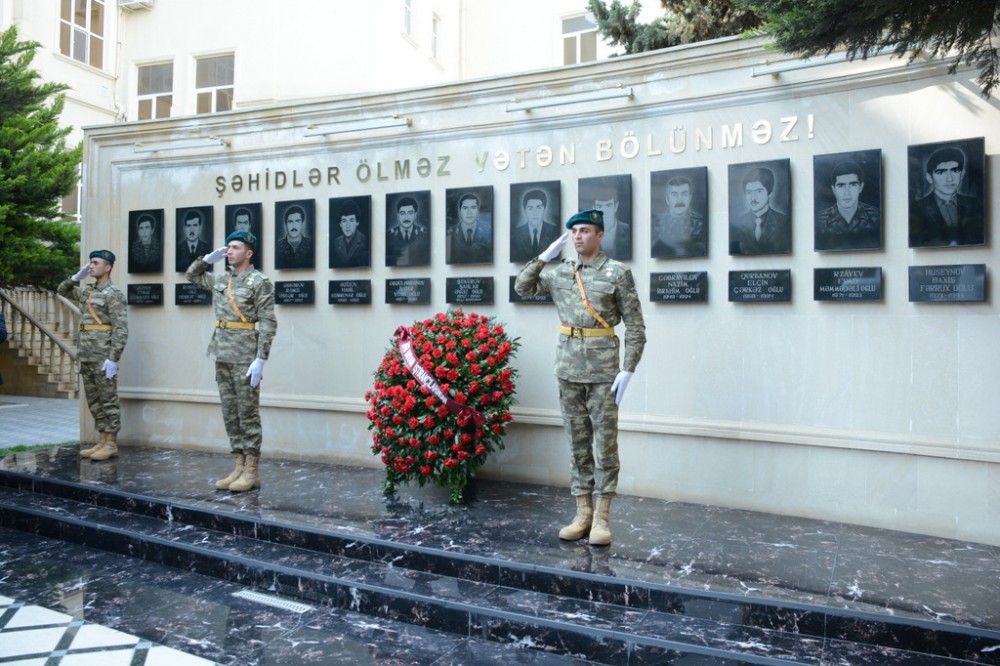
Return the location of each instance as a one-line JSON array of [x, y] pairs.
[[408, 229], [535, 214], [947, 193], [350, 232], [295, 231], [194, 236], [679, 287], [247, 217], [469, 225], [350, 292], [517, 298], [294, 292], [679, 220], [408, 291], [145, 294], [612, 195], [462, 290], [847, 284], [847, 201], [189, 294], [760, 286], [145, 241], [962, 283], [760, 208]]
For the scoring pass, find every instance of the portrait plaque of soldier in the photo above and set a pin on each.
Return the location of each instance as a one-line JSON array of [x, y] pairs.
[[469, 225], [408, 229], [946, 193], [194, 235], [847, 201], [350, 232], [679, 213], [759, 208], [247, 217], [612, 195], [534, 218], [294, 227], [145, 241]]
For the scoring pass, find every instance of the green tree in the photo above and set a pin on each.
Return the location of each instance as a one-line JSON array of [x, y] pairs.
[[959, 30], [683, 22], [37, 244]]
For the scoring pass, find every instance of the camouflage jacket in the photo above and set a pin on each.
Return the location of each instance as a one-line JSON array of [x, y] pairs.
[[611, 291], [108, 302], [253, 294]]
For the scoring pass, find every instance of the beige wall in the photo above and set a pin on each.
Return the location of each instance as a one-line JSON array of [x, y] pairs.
[[880, 413]]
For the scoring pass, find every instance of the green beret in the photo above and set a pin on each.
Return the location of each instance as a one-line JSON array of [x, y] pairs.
[[593, 216], [244, 237], [106, 255]]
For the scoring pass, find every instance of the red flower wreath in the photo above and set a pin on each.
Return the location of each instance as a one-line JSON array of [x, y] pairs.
[[417, 435]]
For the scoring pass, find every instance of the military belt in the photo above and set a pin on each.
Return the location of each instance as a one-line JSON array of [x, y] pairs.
[[245, 325], [95, 327], [578, 332]]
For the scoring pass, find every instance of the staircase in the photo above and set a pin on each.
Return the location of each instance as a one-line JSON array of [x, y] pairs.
[[599, 609], [39, 358]]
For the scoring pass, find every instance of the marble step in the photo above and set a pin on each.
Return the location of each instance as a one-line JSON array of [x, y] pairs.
[[554, 610]]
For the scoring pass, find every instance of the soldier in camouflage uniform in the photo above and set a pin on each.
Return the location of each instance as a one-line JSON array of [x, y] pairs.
[[103, 334], [243, 299], [592, 295]]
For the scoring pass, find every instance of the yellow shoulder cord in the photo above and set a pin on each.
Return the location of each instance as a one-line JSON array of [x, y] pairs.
[[93, 312], [586, 302], [232, 301]]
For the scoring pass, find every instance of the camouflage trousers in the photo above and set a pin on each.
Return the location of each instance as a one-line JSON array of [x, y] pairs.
[[590, 419], [102, 396], [240, 407]]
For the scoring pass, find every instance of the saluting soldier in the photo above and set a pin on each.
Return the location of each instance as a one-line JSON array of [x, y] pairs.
[[103, 334], [243, 299], [592, 295]]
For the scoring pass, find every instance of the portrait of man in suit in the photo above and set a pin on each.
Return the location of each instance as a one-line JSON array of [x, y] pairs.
[[408, 235], [349, 228], [145, 241], [294, 247], [536, 209], [758, 208], [946, 194], [247, 217], [469, 238], [194, 235], [847, 196], [679, 205], [612, 195]]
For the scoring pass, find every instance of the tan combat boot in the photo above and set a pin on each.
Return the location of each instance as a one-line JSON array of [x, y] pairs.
[[600, 533], [109, 450], [89, 451], [223, 484], [249, 479], [581, 522]]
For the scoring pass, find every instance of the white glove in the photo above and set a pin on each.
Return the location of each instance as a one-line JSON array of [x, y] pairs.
[[255, 371], [81, 274], [110, 368], [554, 250], [620, 384], [215, 255]]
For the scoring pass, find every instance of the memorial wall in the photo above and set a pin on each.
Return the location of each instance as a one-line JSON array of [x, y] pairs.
[[822, 331]]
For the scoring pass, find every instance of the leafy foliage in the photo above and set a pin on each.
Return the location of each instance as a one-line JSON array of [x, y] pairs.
[[36, 170], [955, 29]]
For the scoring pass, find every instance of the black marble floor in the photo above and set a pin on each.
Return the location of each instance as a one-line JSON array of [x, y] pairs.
[[143, 544]]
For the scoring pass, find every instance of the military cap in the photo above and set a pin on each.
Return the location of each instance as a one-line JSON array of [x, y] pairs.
[[593, 216], [244, 237], [106, 255]]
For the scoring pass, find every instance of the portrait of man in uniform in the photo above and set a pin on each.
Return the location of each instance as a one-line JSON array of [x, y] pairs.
[[612, 195], [145, 241], [194, 235], [294, 247], [847, 198], [679, 209], [946, 193], [535, 211], [469, 224], [350, 228], [247, 217], [759, 205], [407, 229]]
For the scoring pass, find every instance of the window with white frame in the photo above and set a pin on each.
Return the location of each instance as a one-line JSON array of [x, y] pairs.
[[214, 83], [155, 90], [81, 31], [579, 35]]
